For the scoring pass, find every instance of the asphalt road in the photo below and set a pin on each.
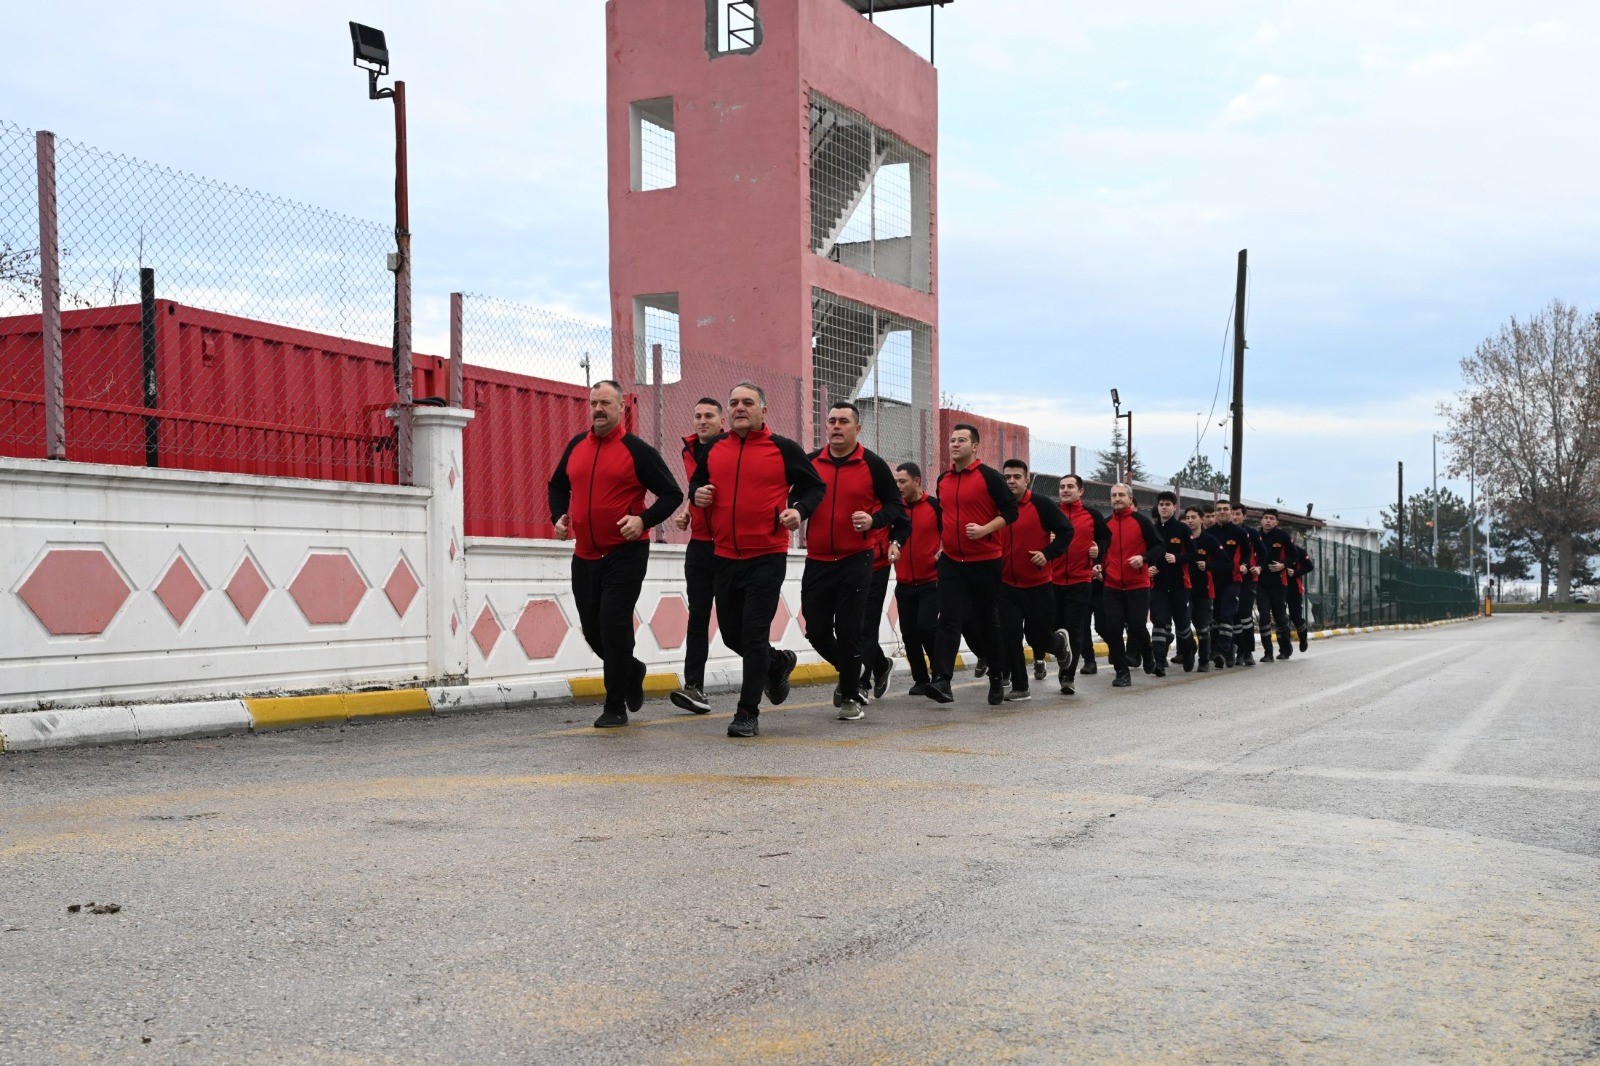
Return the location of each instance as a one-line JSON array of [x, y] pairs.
[[1386, 850]]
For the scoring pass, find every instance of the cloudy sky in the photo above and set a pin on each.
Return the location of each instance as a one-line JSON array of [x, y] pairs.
[[1406, 175]]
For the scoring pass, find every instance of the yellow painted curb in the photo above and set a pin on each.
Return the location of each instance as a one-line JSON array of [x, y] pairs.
[[384, 704], [283, 712], [813, 673], [594, 687], [661, 684]]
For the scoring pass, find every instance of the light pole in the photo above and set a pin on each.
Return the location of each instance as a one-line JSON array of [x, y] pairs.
[[1116, 406], [1435, 522], [371, 54]]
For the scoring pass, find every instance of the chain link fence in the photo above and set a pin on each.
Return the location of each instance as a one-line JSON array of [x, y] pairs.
[[1352, 586], [526, 373], [202, 325]]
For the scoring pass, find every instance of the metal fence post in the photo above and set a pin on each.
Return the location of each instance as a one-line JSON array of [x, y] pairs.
[[457, 373], [55, 406], [148, 355]]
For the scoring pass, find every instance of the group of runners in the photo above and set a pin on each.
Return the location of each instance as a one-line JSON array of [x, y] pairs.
[[980, 557]]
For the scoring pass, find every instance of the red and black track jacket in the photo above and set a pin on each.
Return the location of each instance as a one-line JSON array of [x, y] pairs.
[[1235, 554], [1302, 566], [919, 551], [756, 477], [974, 495], [1277, 547], [1040, 527], [1174, 540], [1088, 527], [1257, 552], [699, 517], [1207, 549], [1132, 533], [860, 481], [601, 480]]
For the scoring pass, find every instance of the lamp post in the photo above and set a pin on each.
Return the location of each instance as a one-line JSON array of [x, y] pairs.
[[1435, 522], [1116, 406], [371, 53]]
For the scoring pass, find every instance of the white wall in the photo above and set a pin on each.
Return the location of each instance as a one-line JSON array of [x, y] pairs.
[[141, 521]]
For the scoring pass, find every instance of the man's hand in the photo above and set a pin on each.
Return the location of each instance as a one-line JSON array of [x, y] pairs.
[[1154, 570], [682, 519], [1255, 571], [1274, 567], [1094, 551], [789, 519], [894, 551], [1136, 562], [1038, 559], [1291, 571], [563, 528], [975, 531], [630, 526], [703, 494], [861, 521], [1171, 558], [1202, 565]]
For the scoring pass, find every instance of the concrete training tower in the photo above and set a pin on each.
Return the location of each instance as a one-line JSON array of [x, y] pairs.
[[771, 172]]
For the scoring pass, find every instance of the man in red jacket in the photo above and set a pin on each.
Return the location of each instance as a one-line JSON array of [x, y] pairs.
[[597, 491], [976, 505], [1031, 544], [699, 565], [1125, 611], [916, 576], [859, 500], [1073, 577], [758, 487]]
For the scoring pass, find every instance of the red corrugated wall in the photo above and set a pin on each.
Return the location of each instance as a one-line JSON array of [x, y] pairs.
[[998, 441], [242, 396]]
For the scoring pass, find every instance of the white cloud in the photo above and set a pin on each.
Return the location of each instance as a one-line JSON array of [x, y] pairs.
[[1266, 97]]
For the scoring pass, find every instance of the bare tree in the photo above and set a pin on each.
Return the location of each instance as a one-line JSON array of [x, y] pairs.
[[1528, 424]]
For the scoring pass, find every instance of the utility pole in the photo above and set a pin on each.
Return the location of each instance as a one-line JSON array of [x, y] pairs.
[[1400, 511], [1236, 471]]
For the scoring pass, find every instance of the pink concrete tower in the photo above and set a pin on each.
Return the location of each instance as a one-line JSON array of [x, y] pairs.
[[772, 201]]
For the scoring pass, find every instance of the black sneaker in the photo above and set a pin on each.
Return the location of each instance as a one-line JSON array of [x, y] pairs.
[[1038, 670], [980, 669], [919, 689], [1220, 662], [1266, 657], [778, 683], [636, 687], [1089, 668], [745, 723], [1062, 645], [1304, 641], [1122, 680], [939, 692], [1247, 659], [864, 697], [690, 698], [1284, 651], [1067, 688], [1160, 669], [880, 679], [611, 719], [851, 711], [1017, 695], [1204, 667], [997, 690]]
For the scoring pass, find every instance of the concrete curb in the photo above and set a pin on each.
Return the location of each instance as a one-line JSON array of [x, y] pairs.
[[89, 726]]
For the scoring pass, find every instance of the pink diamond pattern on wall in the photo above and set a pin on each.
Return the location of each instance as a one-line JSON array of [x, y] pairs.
[[247, 588], [75, 591], [541, 628], [402, 586], [179, 590], [486, 631], [670, 622], [328, 588], [894, 614]]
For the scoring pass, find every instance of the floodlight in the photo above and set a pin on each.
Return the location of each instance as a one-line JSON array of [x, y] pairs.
[[371, 50], [1116, 401]]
